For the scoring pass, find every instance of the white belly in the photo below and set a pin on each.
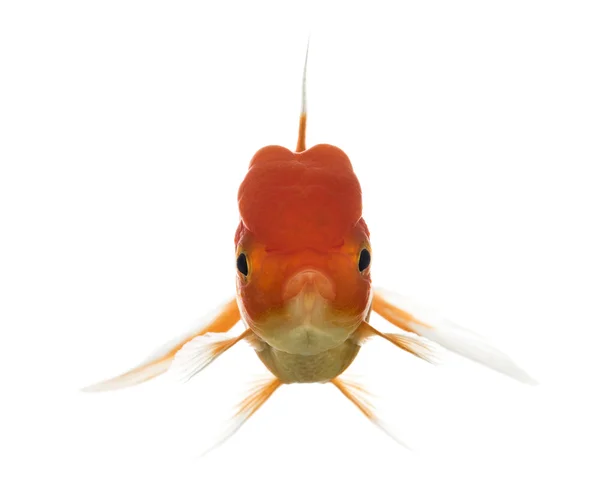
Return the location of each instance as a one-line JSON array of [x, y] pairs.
[[302, 368]]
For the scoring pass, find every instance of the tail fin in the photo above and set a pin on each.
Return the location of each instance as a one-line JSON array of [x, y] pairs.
[[301, 145]]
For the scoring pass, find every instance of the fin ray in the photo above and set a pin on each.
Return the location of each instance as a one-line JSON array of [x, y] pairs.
[[413, 344], [355, 393], [398, 310], [160, 361], [201, 351], [255, 399]]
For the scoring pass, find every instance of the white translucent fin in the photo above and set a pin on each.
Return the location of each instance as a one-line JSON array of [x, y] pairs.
[[258, 395], [301, 145], [407, 315], [303, 108], [357, 394], [133, 377], [160, 361], [411, 343], [200, 352]]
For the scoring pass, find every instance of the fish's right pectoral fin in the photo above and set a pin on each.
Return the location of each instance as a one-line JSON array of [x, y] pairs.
[[204, 347]]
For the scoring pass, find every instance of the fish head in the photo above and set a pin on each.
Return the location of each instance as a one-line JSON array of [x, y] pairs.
[[302, 249]]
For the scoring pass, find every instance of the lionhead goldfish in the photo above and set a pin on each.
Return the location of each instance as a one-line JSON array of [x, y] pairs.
[[304, 291]]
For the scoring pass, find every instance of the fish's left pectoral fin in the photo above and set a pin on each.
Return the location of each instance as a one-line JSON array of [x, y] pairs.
[[258, 395], [358, 395], [410, 343], [408, 316]]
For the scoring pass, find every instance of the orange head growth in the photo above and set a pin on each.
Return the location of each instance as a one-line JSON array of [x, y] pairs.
[[300, 200]]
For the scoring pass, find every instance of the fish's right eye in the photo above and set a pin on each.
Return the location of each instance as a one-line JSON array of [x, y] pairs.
[[242, 264]]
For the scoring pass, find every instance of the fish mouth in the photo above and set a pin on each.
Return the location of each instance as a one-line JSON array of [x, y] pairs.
[[311, 284], [307, 324]]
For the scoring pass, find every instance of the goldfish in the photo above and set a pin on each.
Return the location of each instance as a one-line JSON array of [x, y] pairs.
[[303, 286]]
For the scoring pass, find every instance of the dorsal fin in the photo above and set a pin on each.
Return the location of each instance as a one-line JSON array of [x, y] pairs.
[[301, 145]]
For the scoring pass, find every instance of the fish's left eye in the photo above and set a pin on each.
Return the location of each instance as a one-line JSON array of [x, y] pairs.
[[364, 260]]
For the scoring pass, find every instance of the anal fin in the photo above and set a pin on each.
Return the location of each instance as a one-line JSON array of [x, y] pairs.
[[356, 394], [258, 395]]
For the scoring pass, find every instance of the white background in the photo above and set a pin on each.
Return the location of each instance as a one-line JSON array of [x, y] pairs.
[[125, 130]]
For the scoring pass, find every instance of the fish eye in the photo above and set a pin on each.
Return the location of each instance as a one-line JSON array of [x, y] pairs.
[[242, 264], [364, 260]]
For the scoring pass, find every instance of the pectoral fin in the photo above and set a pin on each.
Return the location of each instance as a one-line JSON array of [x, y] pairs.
[[415, 345], [406, 315], [201, 351], [161, 360]]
